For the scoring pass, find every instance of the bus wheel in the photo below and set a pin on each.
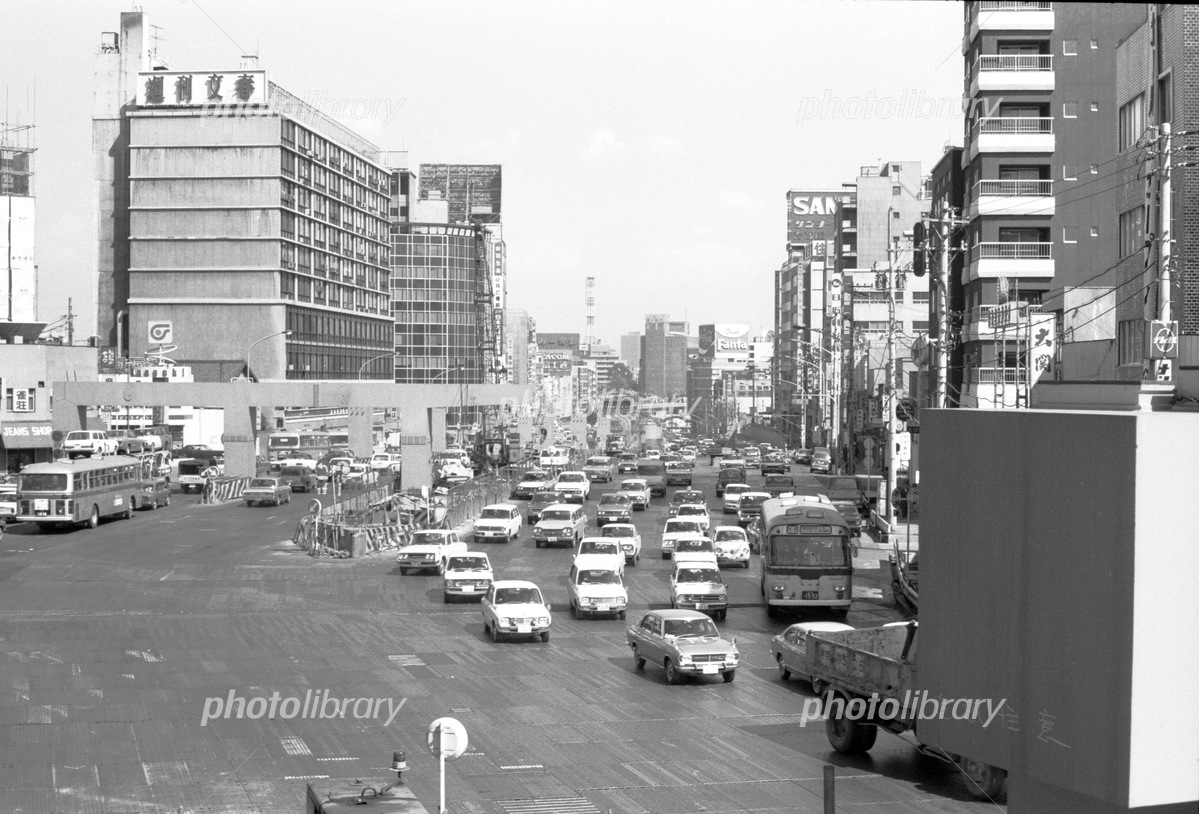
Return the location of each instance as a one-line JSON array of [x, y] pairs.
[[93, 519]]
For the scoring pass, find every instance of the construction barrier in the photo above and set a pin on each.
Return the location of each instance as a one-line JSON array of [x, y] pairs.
[[224, 489], [343, 541]]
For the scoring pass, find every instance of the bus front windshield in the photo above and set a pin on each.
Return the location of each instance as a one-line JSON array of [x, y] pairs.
[[789, 550], [43, 482]]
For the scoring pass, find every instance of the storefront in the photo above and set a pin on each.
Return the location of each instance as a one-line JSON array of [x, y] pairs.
[[25, 442]]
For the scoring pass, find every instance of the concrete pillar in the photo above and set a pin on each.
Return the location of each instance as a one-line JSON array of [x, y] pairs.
[[416, 433], [238, 441], [360, 422], [437, 428]]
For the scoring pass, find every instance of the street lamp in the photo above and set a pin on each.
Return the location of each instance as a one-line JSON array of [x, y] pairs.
[[254, 344], [362, 367]]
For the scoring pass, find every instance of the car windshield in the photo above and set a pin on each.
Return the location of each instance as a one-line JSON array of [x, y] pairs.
[[775, 480], [597, 462], [571, 477], [690, 628], [845, 507], [729, 534], [427, 538], [698, 575], [676, 526], [691, 509], [693, 545], [496, 514], [467, 564], [736, 488], [612, 499], [618, 531], [514, 596], [535, 476], [598, 577], [596, 547], [546, 497], [556, 514], [631, 487], [265, 482], [752, 501]]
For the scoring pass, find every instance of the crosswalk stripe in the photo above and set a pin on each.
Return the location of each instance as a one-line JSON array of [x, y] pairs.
[[564, 805]]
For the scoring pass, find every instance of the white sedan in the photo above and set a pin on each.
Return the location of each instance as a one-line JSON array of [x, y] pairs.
[[638, 490], [790, 648], [692, 511], [732, 546], [629, 538]]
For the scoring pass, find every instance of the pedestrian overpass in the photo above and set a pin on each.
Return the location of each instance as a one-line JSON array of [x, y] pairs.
[[422, 409]]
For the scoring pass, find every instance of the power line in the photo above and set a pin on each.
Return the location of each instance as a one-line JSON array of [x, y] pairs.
[[240, 50]]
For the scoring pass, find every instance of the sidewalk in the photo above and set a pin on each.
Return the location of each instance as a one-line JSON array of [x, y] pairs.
[[901, 531]]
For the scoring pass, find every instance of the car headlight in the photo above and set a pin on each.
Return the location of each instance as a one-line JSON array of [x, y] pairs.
[[543, 620], [684, 659], [626, 547]]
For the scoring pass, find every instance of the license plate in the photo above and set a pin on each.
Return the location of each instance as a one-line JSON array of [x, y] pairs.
[[701, 605], [711, 669], [469, 589], [524, 628], [603, 607], [811, 595], [41, 504]]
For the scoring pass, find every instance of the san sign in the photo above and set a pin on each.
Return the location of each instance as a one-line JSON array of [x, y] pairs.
[[811, 214]]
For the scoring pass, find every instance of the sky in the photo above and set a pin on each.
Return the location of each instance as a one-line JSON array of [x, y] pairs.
[[647, 144]]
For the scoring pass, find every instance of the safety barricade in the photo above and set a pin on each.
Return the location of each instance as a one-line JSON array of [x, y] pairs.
[[225, 489]]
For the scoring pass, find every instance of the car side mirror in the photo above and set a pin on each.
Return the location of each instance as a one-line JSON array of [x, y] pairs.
[[855, 550]]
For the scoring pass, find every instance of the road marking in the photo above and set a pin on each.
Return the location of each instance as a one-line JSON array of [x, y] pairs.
[[411, 660], [522, 766], [295, 746], [331, 759], [553, 805], [306, 777], [142, 654]]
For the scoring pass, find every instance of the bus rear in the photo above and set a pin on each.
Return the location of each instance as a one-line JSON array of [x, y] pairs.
[[807, 556], [194, 473]]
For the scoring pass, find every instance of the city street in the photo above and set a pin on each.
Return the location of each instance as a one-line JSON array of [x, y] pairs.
[[117, 643]]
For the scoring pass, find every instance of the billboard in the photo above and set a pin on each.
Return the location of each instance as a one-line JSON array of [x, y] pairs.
[[811, 214], [201, 88], [472, 190], [731, 341]]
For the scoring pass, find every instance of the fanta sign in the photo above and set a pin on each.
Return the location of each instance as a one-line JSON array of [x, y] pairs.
[[731, 340]]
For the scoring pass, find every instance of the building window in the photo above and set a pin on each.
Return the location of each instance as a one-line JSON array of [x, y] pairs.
[[920, 296], [1132, 234], [920, 325], [1070, 48], [1132, 122], [1070, 110]]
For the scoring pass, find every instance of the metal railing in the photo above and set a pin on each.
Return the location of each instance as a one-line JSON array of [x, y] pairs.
[[1014, 125], [1015, 5], [994, 375], [1014, 251], [1001, 314], [1013, 62], [1015, 188]]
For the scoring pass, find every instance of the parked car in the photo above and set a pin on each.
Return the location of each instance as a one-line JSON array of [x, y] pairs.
[[535, 480], [602, 547], [732, 546], [155, 493], [467, 576], [614, 507], [594, 588], [694, 548], [574, 486], [727, 476], [790, 648], [515, 607], [699, 586], [697, 512], [638, 490], [600, 468], [684, 642], [429, 550], [88, 443], [8, 498], [266, 490], [560, 524], [299, 478], [675, 528], [822, 461], [683, 496], [628, 537], [849, 510], [500, 522]]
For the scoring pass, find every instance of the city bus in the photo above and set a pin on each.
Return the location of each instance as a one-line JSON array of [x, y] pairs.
[[284, 443], [807, 556], [65, 493]]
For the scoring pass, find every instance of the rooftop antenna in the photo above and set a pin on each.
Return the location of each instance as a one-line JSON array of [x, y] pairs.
[[590, 340], [156, 37]]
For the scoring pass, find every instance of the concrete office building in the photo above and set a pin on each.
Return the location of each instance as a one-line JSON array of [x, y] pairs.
[[230, 212], [18, 272], [664, 357], [1043, 233], [630, 351], [516, 345]]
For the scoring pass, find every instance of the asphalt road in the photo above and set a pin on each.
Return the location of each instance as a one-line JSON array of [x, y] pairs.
[[118, 641]]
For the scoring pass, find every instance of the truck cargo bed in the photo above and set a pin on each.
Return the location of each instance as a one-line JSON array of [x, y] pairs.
[[862, 662]]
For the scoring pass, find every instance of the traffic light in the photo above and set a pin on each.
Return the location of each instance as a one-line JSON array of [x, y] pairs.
[[918, 252]]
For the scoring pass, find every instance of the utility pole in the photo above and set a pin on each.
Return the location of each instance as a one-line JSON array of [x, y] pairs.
[[1166, 210], [889, 386], [942, 346], [70, 323]]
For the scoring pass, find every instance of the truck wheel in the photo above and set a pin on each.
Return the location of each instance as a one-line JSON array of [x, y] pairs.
[[983, 781], [849, 737]]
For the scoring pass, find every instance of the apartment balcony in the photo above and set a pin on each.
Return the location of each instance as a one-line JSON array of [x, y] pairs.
[[983, 321], [1012, 72], [1017, 197], [994, 260], [994, 388], [1012, 134], [1010, 15]]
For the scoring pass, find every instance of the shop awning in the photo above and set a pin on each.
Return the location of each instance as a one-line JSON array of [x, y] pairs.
[[26, 435]]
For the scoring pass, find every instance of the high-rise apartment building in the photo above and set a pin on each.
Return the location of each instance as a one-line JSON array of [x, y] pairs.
[[18, 274], [664, 356], [630, 351], [1043, 231], [235, 221]]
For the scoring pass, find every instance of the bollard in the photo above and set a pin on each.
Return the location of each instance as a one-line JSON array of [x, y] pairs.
[[830, 790]]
